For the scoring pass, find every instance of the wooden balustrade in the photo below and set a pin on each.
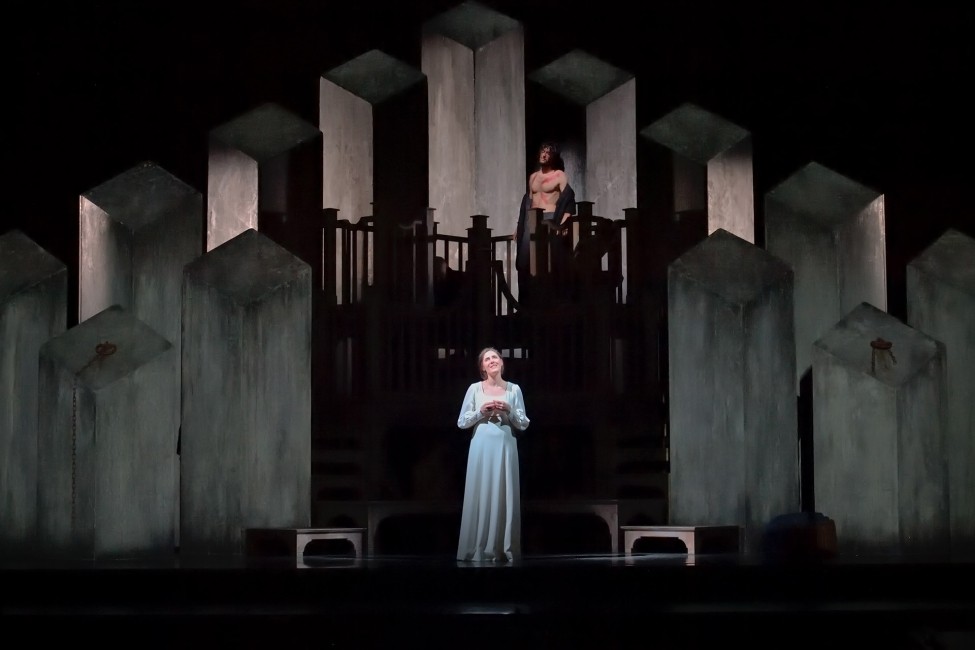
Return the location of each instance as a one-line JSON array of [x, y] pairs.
[[398, 315]]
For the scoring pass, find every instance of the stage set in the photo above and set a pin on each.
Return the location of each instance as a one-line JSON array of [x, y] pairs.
[[233, 355]]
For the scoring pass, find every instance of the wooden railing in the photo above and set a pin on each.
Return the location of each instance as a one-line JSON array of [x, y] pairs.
[[395, 317]]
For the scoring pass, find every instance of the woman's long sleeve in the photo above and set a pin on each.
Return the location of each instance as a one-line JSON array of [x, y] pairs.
[[518, 417], [469, 413]]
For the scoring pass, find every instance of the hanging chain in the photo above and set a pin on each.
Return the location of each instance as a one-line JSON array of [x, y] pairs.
[[102, 350]]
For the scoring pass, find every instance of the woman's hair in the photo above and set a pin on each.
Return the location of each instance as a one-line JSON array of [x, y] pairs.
[[480, 361]]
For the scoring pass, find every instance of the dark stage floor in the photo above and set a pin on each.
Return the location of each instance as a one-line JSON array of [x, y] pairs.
[[648, 600]]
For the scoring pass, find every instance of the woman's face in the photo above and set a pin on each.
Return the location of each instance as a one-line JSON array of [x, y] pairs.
[[491, 362]]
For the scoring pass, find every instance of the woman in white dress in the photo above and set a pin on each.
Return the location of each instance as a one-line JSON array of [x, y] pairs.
[[490, 524]]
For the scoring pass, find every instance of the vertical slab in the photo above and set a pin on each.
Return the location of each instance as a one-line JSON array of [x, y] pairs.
[[33, 309], [832, 231], [136, 232], [373, 119], [108, 422], [733, 443], [473, 58], [941, 303], [710, 166], [264, 172], [879, 435], [246, 377], [608, 94]]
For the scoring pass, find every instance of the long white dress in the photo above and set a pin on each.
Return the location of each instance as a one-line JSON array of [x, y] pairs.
[[490, 524]]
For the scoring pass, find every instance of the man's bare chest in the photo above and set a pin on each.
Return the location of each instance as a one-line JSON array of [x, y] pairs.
[[546, 183]]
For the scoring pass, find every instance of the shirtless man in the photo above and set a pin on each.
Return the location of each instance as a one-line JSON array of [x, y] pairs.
[[546, 185], [548, 189]]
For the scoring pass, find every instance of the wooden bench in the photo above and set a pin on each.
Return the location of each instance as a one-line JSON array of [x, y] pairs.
[[294, 541], [697, 539]]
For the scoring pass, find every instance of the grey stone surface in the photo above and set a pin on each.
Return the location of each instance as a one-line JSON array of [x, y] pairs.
[[473, 58], [832, 231], [471, 24], [246, 379], [610, 165], [263, 168], [108, 424], [136, 232], [733, 421], [373, 103], [374, 76], [499, 91], [712, 167], [580, 77], [941, 303], [695, 133], [451, 129], [33, 309], [880, 470]]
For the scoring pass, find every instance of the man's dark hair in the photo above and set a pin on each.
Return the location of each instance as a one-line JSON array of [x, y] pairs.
[[556, 161]]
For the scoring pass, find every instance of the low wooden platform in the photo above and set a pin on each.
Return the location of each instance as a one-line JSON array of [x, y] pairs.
[[697, 539], [269, 542]]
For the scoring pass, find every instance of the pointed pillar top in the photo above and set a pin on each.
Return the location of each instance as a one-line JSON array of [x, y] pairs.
[[471, 24], [695, 133], [374, 76], [141, 195], [580, 77], [265, 132], [822, 194]]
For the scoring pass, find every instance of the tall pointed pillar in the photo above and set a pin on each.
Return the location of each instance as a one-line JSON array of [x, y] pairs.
[[941, 303], [831, 229], [708, 164], [33, 309], [137, 231], [246, 377], [108, 425], [733, 420], [474, 60], [264, 172], [879, 420], [373, 119]]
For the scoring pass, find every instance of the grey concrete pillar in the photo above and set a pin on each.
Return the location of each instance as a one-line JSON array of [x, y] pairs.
[[609, 166], [879, 434], [710, 166], [246, 377], [373, 119], [941, 303], [733, 421], [108, 423], [33, 309], [264, 171], [136, 232], [474, 61], [832, 231]]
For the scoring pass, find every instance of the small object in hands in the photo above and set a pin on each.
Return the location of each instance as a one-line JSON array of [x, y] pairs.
[[495, 417]]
